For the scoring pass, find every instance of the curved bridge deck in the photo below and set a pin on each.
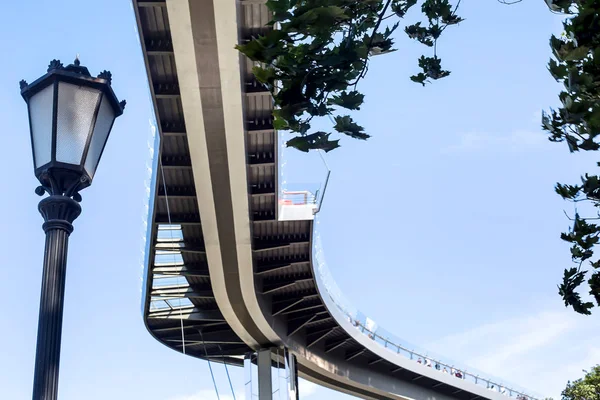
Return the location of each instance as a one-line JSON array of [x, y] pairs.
[[225, 275]]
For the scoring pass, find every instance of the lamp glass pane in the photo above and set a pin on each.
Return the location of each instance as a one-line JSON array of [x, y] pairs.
[[76, 106], [40, 114], [106, 116]]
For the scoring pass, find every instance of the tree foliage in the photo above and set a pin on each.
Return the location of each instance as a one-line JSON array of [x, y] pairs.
[[320, 50], [576, 63], [586, 388]]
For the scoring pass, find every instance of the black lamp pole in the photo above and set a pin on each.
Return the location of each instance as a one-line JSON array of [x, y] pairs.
[[71, 115], [59, 212]]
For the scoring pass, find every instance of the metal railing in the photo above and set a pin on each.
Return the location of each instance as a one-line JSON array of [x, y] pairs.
[[363, 324], [297, 198], [440, 365]]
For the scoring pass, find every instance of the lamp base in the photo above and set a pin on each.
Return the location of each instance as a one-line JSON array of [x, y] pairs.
[[59, 212]]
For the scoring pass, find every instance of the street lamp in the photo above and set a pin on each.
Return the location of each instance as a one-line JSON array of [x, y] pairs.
[[71, 114]]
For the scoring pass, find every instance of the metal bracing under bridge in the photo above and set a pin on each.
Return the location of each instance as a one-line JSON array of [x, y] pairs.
[[208, 291]]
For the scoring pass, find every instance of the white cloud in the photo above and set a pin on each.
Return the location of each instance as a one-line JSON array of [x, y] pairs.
[[539, 352], [519, 140], [517, 337]]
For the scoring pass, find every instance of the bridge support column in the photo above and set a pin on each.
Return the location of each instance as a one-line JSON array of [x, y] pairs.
[[260, 381], [292, 375], [265, 379]]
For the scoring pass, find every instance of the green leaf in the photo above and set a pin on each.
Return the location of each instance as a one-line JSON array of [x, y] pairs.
[[350, 100], [434, 9], [280, 124], [419, 78], [416, 31], [567, 191], [348, 127], [400, 7], [315, 141], [589, 144], [322, 16], [278, 6], [572, 143], [432, 69], [571, 280], [558, 71], [576, 54], [264, 75], [594, 283]]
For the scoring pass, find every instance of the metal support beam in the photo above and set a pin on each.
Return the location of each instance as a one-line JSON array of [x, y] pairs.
[[175, 293], [315, 307], [178, 219], [261, 158], [262, 188], [275, 242], [295, 326], [183, 247], [166, 90], [159, 46], [220, 337], [224, 351], [310, 293], [198, 270], [148, 3], [355, 354], [336, 344], [265, 385], [176, 327], [176, 192], [176, 127], [319, 336], [176, 162], [269, 266], [190, 313], [174, 133], [264, 216], [322, 316], [271, 285], [286, 305]]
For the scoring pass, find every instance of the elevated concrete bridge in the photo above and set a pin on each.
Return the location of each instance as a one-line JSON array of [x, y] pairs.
[[234, 265]]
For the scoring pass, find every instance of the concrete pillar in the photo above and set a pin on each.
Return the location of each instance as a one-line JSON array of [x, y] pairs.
[[265, 382]]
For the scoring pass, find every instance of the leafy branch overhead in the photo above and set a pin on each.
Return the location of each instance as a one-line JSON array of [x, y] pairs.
[[576, 63], [312, 62], [320, 50]]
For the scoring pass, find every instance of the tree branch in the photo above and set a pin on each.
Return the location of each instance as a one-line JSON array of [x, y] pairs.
[[381, 16]]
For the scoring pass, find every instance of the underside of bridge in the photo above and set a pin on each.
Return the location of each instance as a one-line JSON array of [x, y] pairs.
[[216, 244]]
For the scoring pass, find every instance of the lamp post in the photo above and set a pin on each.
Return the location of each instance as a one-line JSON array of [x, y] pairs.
[[71, 114]]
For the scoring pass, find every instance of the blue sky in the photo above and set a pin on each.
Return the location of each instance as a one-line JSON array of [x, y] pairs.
[[450, 207]]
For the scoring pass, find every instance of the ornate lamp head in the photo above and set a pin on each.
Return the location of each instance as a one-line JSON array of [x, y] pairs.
[[71, 115]]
